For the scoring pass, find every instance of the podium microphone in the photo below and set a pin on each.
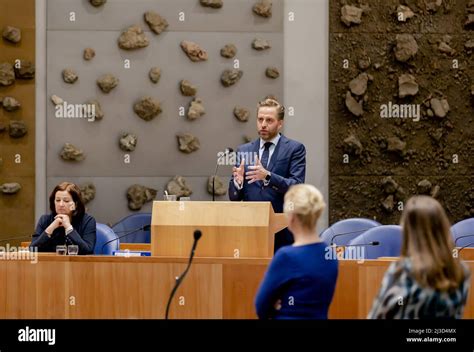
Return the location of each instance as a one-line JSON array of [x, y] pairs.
[[460, 237], [467, 245], [227, 151], [144, 228], [197, 236], [373, 243]]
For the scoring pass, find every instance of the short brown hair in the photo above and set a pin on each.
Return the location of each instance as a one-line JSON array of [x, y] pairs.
[[427, 241], [273, 103], [75, 193]]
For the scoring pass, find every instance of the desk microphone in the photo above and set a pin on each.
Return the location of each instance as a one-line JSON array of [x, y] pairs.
[[227, 151], [460, 237], [197, 236], [348, 233], [467, 245], [373, 243], [144, 228]]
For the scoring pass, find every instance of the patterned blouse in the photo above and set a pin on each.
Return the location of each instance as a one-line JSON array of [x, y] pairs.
[[401, 297]]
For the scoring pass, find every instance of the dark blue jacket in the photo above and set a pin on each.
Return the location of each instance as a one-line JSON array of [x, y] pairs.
[[287, 166], [84, 235]]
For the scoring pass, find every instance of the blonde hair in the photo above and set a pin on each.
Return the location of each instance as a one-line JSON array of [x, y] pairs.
[[272, 103], [306, 202], [427, 241]]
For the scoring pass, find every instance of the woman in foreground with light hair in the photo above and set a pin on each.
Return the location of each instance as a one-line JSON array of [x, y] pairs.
[[300, 281], [429, 280]]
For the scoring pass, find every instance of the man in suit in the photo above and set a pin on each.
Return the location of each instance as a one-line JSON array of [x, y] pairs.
[[268, 166]]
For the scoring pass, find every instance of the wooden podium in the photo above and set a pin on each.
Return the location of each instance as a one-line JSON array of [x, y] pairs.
[[229, 229]]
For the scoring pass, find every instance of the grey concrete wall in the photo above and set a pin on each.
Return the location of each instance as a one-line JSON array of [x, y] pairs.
[[302, 85]]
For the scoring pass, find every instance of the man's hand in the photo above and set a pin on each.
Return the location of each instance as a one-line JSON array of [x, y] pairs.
[[258, 172], [238, 173]]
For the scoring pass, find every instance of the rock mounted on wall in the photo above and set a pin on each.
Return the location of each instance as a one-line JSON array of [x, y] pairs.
[[97, 3], [11, 104], [220, 188], [154, 74], [133, 38], [247, 139], [25, 70], [406, 47], [389, 185], [241, 114], [107, 82], [128, 142], [352, 145], [229, 51], [194, 51], [263, 8], [71, 153], [7, 74], [187, 89], [138, 195], [424, 186], [89, 54], [147, 108], [12, 34], [188, 143], [17, 129], [469, 45], [57, 100], [272, 72], [10, 188], [87, 192], [261, 44], [351, 15], [353, 106], [407, 85], [156, 23], [99, 113], [231, 77], [69, 76], [396, 145], [440, 107], [179, 187], [196, 109], [404, 13], [358, 85], [388, 204], [215, 4]]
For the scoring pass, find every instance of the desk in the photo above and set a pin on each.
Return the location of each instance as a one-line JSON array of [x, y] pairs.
[[138, 287]]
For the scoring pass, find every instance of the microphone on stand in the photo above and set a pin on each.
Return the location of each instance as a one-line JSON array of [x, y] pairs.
[[373, 243], [461, 237], [142, 228], [197, 236], [347, 233], [467, 245], [227, 151]]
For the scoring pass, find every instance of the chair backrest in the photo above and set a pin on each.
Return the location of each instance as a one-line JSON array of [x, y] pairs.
[[388, 236], [130, 224], [105, 234], [463, 228], [346, 230]]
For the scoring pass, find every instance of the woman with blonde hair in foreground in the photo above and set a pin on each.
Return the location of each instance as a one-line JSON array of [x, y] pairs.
[[300, 281], [429, 280]]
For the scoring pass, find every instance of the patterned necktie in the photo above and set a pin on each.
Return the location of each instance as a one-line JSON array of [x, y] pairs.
[[266, 154]]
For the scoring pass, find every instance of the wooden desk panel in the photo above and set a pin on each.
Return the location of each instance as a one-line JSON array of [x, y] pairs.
[[108, 287]]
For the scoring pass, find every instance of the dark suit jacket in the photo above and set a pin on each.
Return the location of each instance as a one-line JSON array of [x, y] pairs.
[[287, 166], [84, 235]]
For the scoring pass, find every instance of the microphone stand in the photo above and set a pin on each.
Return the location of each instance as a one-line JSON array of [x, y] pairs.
[[179, 279], [144, 228]]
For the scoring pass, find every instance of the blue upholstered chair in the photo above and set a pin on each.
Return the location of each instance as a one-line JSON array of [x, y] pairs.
[[132, 224], [105, 234], [342, 232], [389, 238], [463, 233]]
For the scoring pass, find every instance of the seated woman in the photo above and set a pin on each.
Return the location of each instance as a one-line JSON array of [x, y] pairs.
[[300, 281], [428, 281], [67, 224]]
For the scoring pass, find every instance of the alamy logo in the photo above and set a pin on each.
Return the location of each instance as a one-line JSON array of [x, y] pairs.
[[37, 335], [400, 111], [75, 111]]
